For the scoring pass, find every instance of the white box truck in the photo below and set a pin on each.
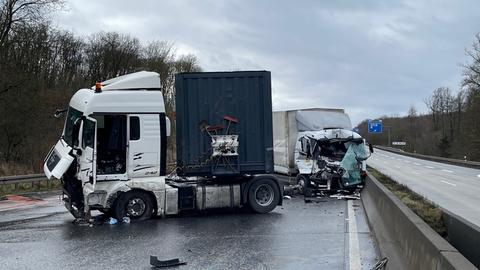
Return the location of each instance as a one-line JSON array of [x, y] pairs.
[[112, 153], [318, 146]]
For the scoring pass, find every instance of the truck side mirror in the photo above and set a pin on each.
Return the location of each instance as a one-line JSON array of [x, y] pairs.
[[370, 147], [59, 112]]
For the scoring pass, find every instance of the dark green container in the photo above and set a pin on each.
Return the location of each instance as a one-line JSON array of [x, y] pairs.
[[204, 99]]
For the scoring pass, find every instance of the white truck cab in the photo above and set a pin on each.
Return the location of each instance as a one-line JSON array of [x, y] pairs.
[[112, 156]]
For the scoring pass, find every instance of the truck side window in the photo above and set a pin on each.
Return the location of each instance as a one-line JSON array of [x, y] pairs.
[[134, 128], [88, 135]]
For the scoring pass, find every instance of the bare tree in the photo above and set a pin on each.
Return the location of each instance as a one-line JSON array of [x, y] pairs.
[[14, 12]]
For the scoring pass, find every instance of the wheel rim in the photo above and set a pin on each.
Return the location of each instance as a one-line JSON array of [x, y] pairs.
[[264, 195], [135, 207]]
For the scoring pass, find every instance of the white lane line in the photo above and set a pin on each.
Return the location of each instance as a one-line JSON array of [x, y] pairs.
[[430, 167], [353, 244], [418, 164], [448, 183], [443, 170]]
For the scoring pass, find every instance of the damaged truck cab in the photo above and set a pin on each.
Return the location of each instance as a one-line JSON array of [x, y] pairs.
[[318, 146], [112, 157], [330, 159]]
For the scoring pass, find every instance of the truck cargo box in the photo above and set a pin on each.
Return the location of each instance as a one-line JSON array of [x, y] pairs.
[[287, 124], [209, 104]]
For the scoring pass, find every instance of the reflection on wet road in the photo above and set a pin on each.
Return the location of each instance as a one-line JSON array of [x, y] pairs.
[[296, 235]]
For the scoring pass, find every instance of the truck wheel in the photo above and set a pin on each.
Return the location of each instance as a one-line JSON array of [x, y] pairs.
[[263, 196], [303, 183], [136, 205]]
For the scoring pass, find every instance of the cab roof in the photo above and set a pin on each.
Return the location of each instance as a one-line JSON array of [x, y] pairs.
[[127, 94]]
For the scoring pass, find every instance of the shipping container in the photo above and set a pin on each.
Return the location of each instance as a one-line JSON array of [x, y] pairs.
[[211, 104], [287, 125]]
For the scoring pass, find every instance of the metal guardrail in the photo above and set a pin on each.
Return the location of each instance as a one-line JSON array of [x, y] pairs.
[[13, 183], [29, 178], [459, 162]]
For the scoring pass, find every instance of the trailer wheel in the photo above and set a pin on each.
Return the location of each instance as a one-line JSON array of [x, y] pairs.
[[263, 196], [303, 183], [136, 205]]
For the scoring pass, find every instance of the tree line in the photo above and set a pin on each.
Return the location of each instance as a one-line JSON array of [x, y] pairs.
[[451, 128], [41, 67]]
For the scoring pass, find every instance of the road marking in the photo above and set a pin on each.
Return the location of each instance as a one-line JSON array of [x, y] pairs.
[[418, 164], [353, 245], [443, 170], [448, 183], [430, 167]]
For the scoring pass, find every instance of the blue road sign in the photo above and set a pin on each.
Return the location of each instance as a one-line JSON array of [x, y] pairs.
[[375, 126]]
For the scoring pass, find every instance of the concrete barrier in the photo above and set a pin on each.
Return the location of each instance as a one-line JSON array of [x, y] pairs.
[[464, 236], [458, 162], [403, 237]]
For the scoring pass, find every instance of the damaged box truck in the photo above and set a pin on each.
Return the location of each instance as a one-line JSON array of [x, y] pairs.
[[319, 147], [112, 153]]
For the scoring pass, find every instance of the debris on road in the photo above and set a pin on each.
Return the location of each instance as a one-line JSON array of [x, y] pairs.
[[112, 221], [381, 264], [353, 196], [154, 261]]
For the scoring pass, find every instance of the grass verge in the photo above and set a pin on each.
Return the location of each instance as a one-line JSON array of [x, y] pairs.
[[20, 188], [426, 210]]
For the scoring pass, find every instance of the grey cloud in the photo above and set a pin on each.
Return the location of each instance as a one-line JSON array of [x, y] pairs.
[[372, 58]]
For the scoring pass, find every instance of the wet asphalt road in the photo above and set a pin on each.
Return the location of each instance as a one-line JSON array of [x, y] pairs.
[[297, 235]]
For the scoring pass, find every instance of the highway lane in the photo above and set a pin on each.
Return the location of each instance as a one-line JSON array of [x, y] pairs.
[[329, 234], [454, 188]]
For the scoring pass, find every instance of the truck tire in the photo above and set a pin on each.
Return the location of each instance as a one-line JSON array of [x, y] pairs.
[[135, 204], [303, 184], [263, 195]]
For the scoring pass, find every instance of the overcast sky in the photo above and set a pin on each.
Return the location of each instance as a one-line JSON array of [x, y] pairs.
[[371, 58]]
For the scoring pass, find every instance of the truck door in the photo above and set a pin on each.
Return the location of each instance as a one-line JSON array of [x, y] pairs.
[[88, 159], [144, 145]]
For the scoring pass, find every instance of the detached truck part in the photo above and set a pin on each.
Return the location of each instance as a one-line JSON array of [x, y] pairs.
[[319, 147], [112, 153]]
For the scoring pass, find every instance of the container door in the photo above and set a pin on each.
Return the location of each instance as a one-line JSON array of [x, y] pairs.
[[144, 145]]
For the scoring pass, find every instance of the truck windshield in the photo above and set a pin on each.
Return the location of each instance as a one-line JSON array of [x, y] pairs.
[[72, 116]]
